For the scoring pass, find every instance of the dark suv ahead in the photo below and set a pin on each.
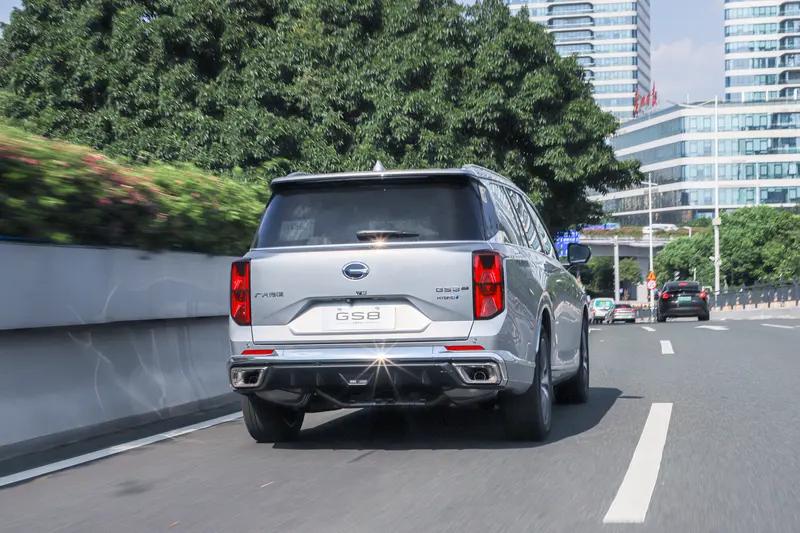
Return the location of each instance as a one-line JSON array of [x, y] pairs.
[[682, 298]]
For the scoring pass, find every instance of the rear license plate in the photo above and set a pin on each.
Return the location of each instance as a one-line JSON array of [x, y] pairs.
[[684, 299], [360, 318]]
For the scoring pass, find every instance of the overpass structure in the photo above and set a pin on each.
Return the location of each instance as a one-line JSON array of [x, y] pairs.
[[633, 247]]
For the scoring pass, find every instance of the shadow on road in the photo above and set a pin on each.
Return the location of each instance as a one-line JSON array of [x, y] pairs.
[[389, 429]]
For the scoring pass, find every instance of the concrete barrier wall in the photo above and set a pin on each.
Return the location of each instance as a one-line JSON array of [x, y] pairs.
[[93, 340], [45, 286]]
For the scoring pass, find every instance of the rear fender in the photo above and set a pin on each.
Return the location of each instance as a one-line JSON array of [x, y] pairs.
[[545, 306]]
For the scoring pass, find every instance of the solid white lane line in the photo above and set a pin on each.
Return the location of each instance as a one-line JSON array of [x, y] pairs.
[[666, 348], [647, 328], [713, 328], [633, 497], [113, 450], [780, 326]]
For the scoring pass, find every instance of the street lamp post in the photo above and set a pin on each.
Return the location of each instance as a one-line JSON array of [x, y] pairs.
[[717, 222], [650, 184]]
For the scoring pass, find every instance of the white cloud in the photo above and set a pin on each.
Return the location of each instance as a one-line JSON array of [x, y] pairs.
[[684, 67]]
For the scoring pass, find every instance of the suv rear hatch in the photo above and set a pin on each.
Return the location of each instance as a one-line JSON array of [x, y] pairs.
[[370, 260]]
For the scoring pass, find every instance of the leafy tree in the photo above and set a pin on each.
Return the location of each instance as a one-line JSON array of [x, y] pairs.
[[598, 274], [756, 244], [257, 89], [629, 271]]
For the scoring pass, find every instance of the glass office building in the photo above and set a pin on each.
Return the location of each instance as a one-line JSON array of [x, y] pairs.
[[758, 160], [611, 39], [762, 50]]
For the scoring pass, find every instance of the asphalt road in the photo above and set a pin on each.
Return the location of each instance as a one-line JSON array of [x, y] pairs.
[[730, 458]]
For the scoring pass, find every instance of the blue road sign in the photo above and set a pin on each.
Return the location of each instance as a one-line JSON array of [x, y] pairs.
[[563, 240]]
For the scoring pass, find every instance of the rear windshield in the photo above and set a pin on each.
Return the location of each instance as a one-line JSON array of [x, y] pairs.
[[623, 306], [603, 304], [682, 286], [354, 212]]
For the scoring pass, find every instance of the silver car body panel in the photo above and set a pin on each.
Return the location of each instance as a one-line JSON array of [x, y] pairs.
[[425, 288]]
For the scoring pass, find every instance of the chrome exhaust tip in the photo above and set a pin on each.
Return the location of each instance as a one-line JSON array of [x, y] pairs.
[[247, 377], [478, 373]]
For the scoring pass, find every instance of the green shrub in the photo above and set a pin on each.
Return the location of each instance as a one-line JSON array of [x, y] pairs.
[[62, 193]]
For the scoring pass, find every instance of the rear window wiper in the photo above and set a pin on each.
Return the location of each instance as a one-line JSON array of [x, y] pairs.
[[380, 234]]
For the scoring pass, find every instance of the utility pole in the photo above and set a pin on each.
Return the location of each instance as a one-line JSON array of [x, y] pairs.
[[616, 268]]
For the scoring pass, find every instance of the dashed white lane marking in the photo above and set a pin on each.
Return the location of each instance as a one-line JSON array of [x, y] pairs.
[[713, 328], [779, 326], [648, 328], [594, 329], [267, 484], [633, 497], [113, 450], [666, 348]]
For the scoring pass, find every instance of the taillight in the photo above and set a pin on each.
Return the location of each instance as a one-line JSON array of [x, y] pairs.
[[240, 292], [665, 296], [487, 284], [704, 295]]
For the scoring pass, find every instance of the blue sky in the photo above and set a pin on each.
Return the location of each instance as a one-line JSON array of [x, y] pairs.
[[687, 48]]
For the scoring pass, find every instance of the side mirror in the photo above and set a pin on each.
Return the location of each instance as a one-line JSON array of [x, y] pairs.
[[578, 254]]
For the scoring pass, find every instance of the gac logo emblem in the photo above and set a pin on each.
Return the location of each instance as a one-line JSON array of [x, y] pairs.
[[355, 270]]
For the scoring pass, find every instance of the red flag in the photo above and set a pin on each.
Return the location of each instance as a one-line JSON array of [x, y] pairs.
[[655, 95], [636, 102]]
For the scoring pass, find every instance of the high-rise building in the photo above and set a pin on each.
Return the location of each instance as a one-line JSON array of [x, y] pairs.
[[611, 39], [757, 161], [762, 50]]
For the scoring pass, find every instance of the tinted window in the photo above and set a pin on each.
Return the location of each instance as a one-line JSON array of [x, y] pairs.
[[682, 286], [528, 227], [505, 215], [335, 213]]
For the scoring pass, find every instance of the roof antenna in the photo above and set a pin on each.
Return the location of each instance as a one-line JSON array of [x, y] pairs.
[[378, 167]]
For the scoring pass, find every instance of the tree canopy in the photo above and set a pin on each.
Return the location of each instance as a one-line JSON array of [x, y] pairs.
[[256, 89], [598, 275], [757, 244]]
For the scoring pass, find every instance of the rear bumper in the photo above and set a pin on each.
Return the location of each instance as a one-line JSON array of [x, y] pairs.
[[683, 310], [366, 376]]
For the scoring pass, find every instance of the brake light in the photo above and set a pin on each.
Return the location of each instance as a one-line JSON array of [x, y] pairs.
[[665, 296], [464, 348], [240, 292], [704, 295], [487, 284]]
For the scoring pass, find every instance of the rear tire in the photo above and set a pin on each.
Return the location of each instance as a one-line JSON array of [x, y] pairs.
[[528, 415], [704, 318], [267, 422], [576, 389], [661, 318]]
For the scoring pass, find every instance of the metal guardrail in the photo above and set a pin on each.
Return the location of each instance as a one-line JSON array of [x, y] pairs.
[[756, 296]]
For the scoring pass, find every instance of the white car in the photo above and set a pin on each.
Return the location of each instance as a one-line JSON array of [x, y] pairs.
[[599, 308]]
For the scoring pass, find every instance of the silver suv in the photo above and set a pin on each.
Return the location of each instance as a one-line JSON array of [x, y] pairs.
[[405, 288]]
